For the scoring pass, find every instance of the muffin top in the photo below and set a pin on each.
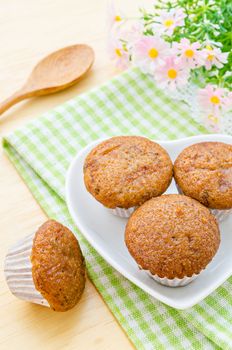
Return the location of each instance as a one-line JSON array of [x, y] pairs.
[[204, 171], [125, 171], [172, 236], [58, 267]]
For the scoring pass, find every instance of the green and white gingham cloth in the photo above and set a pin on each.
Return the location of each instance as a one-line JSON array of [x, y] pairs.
[[42, 151]]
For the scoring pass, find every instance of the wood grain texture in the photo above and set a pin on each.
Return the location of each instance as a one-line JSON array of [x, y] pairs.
[[29, 30]]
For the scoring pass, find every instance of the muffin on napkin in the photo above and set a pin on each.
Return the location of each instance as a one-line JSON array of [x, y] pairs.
[[172, 238], [123, 172], [204, 171], [47, 267]]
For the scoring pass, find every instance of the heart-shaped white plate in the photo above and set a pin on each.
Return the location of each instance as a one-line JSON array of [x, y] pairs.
[[105, 232]]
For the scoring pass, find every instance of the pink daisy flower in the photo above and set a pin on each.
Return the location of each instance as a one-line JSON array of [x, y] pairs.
[[171, 74], [214, 56], [213, 122], [114, 16], [118, 53], [169, 20], [214, 101], [189, 54], [212, 98], [150, 51]]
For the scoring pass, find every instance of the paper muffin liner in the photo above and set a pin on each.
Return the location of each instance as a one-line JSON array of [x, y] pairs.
[[175, 282], [123, 213], [220, 214], [18, 272]]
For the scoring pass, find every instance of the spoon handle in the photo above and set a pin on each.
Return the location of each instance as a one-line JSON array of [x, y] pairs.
[[12, 100]]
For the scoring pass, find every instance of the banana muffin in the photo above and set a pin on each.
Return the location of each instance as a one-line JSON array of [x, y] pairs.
[[58, 267], [204, 171], [125, 171], [172, 237], [47, 267]]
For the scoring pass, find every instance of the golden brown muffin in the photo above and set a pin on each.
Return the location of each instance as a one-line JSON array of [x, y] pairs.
[[58, 267], [125, 171], [172, 236], [204, 171]]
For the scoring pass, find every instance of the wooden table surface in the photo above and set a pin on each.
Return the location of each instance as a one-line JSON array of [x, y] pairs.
[[30, 29]]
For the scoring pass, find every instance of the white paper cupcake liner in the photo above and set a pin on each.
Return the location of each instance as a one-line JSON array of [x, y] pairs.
[[175, 282], [220, 214], [18, 272], [123, 213]]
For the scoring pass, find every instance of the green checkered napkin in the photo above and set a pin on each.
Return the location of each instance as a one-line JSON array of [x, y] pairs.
[[42, 152]]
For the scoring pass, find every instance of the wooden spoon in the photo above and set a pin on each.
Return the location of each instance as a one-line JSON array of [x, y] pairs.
[[56, 72]]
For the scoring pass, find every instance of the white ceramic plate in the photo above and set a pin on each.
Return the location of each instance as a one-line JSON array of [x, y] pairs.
[[105, 232]]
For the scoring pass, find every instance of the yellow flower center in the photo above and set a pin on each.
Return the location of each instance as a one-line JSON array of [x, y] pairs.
[[117, 18], [118, 52], [153, 53], [210, 57], [168, 22], [172, 73], [212, 118], [215, 100], [189, 53]]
